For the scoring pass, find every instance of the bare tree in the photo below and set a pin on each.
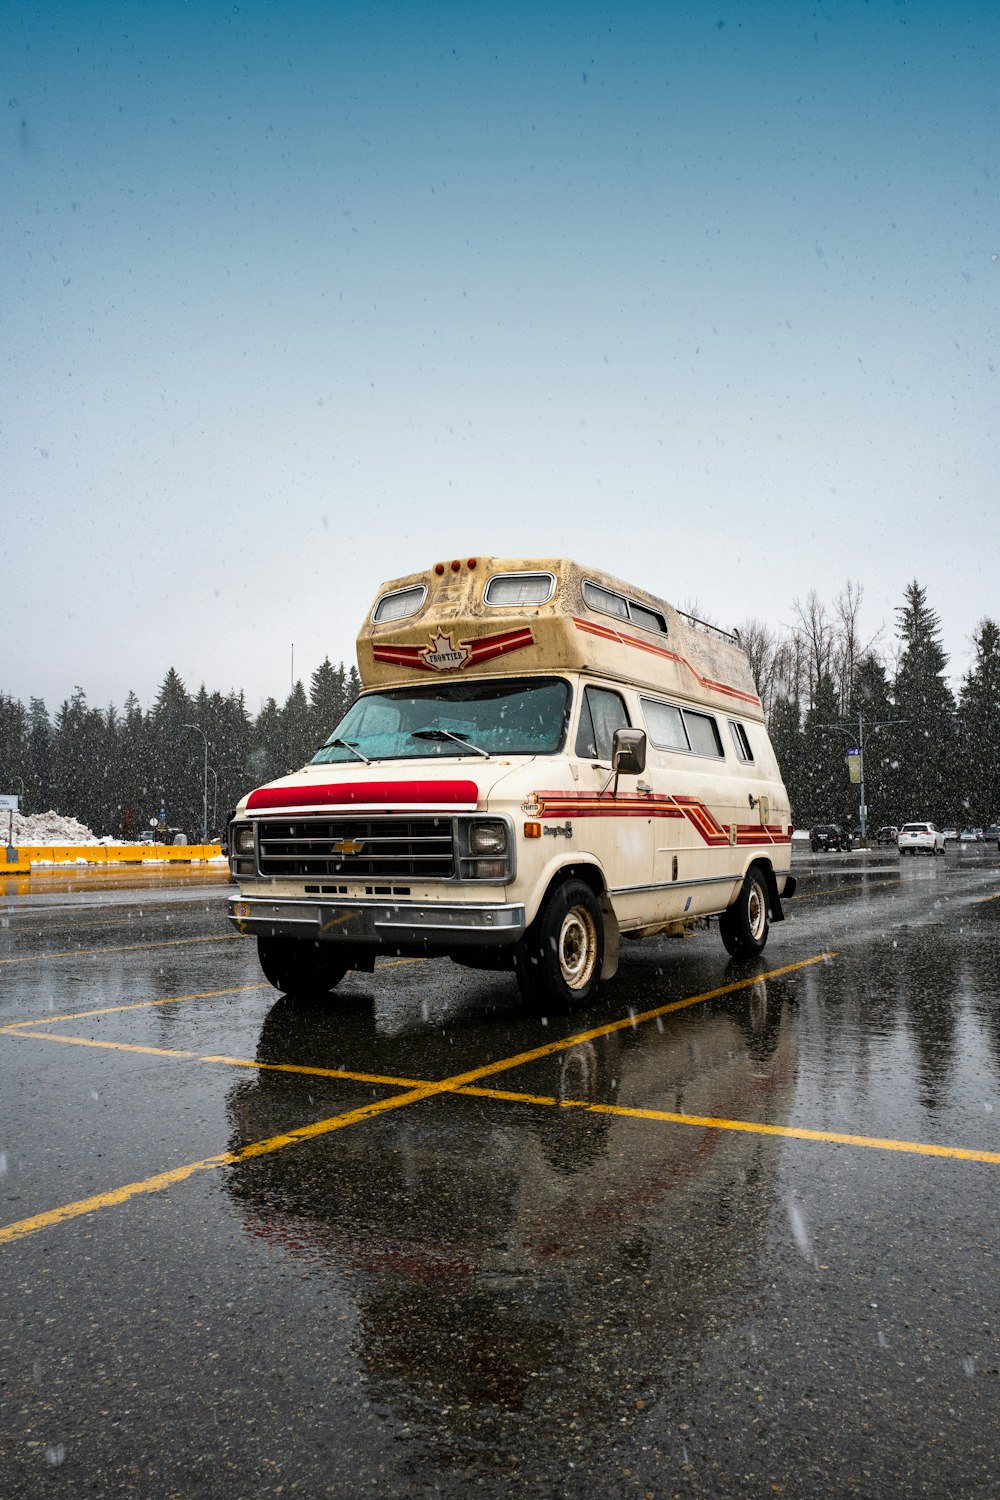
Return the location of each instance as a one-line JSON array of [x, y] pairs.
[[849, 649], [815, 631], [788, 672], [761, 646], [697, 616]]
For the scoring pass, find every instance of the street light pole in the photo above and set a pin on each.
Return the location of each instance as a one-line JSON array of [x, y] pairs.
[[215, 797], [881, 724], [204, 824], [863, 809]]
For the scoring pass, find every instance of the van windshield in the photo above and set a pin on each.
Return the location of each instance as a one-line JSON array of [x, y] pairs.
[[513, 716]]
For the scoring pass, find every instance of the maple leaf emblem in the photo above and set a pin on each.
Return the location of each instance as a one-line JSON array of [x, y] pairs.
[[443, 655]]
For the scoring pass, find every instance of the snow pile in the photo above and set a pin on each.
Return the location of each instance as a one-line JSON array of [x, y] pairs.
[[50, 828], [45, 829]]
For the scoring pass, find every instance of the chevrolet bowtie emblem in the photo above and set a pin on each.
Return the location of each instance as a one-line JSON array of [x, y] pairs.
[[347, 846]]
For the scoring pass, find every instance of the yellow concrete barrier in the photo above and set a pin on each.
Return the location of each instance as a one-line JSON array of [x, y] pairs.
[[37, 859]]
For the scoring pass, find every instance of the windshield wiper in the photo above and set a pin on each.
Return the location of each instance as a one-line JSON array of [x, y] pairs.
[[346, 745], [446, 734]]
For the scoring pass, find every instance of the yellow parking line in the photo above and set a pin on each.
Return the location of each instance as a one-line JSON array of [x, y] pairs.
[[110, 1010], [348, 1075], [710, 1122], [23, 1227], [790, 1132], [509, 1096], [34, 958], [230, 1062], [628, 1022]]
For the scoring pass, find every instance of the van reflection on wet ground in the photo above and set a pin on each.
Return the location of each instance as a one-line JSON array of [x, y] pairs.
[[501, 1253]]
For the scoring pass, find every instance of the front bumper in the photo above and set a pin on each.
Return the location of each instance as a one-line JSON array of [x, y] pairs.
[[387, 925]]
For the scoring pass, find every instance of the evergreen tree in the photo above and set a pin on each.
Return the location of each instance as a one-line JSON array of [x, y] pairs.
[[231, 741], [789, 747], [176, 755], [15, 773], [979, 729], [829, 794], [203, 720], [924, 775], [76, 761], [107, 792], [327, 695], [870, 701], [297, 742], [136, 796], [266, 759], [40, 746]]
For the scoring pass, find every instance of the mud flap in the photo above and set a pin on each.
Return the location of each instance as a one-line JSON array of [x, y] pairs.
[[773, 899], [609, 968]]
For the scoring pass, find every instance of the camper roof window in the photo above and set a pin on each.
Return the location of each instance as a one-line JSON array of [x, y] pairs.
[[608, 603], [519, 588], [400, 604]]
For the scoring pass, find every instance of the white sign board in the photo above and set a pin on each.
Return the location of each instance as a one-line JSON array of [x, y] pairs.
[[8, 803]]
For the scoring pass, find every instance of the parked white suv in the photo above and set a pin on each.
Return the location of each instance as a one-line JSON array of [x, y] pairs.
[[921, 838]]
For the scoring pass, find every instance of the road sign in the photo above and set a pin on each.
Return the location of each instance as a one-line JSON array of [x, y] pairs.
[[8, 802]]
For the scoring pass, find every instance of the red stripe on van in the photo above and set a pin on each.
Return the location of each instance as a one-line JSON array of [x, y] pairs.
[[368, 793], [606, 633]]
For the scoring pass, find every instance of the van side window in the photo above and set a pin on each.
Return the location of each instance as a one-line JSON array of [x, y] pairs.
[[601, 714], [673, 728], [741, 740], [703, 732], [664, 725]]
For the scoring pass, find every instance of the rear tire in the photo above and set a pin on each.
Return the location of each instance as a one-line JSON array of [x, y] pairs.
[[558, 961], [744, 925], [299, 966]]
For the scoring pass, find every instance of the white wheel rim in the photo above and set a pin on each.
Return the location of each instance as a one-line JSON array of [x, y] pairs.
[[756, 912], [577, 947]]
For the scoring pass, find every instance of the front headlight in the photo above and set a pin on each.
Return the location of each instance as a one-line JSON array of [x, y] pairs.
[[486, 850], [488, 838], [243, 839]]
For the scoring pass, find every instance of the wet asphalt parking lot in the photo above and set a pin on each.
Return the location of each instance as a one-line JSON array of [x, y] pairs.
[[735, 1229]]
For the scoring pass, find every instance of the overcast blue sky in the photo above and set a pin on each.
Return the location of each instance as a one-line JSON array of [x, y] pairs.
[[300, 297]]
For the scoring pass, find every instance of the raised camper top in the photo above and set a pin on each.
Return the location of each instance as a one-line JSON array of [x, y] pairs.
[[501, 617]]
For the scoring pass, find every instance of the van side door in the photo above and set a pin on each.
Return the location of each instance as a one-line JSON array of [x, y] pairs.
[[687, 768], [619, 831]]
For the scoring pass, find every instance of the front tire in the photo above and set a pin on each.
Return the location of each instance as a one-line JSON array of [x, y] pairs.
[[300, 967], [744, 925], [559, 959]]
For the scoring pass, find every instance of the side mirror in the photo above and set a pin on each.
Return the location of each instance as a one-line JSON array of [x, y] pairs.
[[628, 752]]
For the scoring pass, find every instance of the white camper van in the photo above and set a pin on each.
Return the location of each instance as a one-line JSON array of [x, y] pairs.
[[543, 760]]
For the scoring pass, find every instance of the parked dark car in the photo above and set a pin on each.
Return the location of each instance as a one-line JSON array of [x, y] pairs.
[[828, 836]]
